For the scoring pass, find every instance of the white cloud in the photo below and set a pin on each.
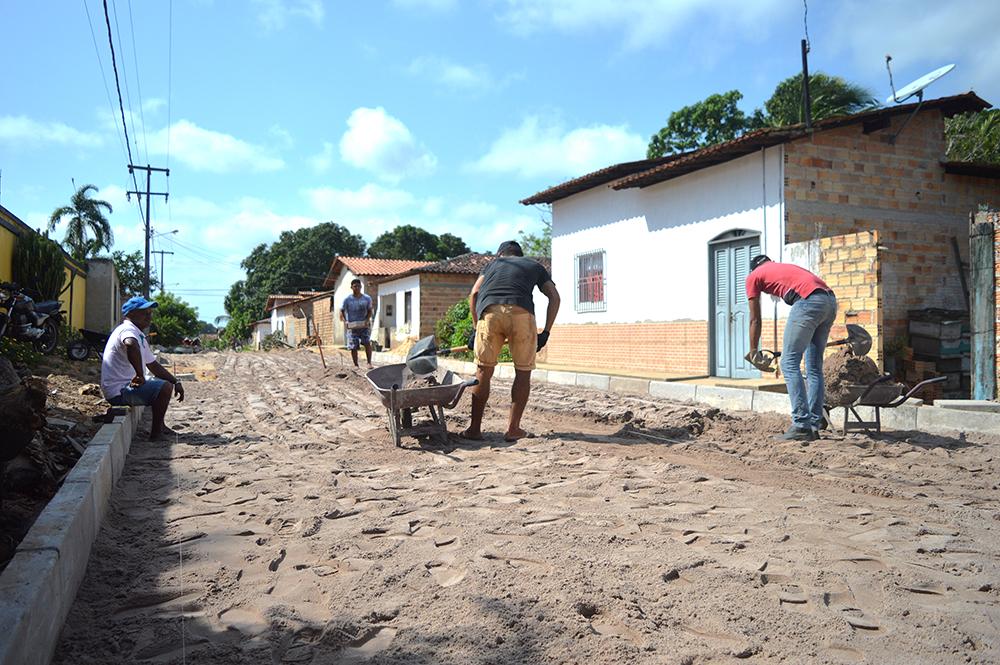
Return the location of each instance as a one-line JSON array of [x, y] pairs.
[[643, 22], [382, 144], [374, 209], [24, 130], [275, 14], [282, 137], [431, 5], [207, 150], [153, 104], [923, 36], [322, 161], [453, 75], [536, 150]]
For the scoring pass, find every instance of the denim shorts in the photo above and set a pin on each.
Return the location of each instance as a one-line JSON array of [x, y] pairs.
[[358, 337], [143, 395]]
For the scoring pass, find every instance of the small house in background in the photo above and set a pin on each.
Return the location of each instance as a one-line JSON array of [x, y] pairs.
[[344, 270], [104, 296], [258, 331], [651, 256], [278, 311]]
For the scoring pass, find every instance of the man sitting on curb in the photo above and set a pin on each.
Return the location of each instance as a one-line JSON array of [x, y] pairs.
[[123, 369], [503, 311]]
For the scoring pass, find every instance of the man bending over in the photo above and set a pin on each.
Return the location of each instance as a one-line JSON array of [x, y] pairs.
[[503, 311]]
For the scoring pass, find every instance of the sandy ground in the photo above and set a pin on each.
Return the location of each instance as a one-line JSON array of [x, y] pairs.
[[282, 526]]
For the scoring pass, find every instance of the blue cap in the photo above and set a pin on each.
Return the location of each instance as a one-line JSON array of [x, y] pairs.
[[137, 302]]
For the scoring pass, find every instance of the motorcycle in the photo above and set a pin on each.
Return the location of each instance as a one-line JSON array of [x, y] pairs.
[[28, 321]]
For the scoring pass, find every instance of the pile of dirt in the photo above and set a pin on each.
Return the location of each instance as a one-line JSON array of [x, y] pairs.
[[842, 370]]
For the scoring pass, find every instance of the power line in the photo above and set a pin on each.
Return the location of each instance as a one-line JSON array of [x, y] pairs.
[[138, 84], [104, 76], [121, 107], [128, 93]]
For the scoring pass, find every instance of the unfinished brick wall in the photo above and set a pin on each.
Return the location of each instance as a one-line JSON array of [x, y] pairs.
[[843, 181], [850, 264], [670, 347], [438, 292]]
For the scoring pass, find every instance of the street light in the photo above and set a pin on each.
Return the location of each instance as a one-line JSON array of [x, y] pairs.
[[165, 233]]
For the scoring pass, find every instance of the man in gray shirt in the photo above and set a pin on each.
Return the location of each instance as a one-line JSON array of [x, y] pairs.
[[503, 312]]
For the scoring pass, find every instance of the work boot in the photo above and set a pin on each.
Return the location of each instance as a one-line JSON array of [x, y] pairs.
[[794, 433]]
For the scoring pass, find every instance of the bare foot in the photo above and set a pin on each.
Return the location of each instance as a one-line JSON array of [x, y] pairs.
[[514, 435], [161, 434], [470, 435]]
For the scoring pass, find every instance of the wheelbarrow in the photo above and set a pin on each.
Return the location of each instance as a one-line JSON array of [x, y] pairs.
[[400, 402], [877, 395], [79, 349]]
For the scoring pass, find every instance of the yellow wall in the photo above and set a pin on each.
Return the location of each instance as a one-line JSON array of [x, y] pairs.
[[75, 316], [7, 238]]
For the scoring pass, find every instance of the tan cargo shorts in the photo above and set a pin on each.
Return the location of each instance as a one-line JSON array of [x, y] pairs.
[[507, 324]]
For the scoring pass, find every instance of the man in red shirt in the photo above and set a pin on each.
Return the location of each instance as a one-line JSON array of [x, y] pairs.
[[814, 308]]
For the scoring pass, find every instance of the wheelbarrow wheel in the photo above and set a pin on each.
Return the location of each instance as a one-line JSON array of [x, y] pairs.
[[78, 350]]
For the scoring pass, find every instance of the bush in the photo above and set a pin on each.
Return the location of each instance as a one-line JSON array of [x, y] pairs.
[[38, 264], [174, 320], [19, 352], [454, 330]]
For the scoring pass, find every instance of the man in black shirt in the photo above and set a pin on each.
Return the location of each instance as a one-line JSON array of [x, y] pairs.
[[503, 311]]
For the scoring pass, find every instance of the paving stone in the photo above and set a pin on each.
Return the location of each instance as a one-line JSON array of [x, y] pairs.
[[732, 399], [562, 378], [671, 390], [593, 381], [628, 385]]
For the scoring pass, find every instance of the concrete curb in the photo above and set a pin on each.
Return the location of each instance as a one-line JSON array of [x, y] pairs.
[[40, 582], [911, 416]]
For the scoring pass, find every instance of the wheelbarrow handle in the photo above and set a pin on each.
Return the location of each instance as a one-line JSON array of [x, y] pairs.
[[468, 383]]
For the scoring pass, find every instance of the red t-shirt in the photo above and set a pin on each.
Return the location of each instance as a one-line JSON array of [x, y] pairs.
[[785, 280]]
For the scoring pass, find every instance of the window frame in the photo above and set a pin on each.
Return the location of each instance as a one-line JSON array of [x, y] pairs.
[[587, 306]]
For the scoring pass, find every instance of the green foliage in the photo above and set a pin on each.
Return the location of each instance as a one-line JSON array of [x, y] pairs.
[[206, 328], [717, 118], [275, 340], [713, 120], [830, 95], [38, 263], [19, 352], [454, 330], [86, 218], [974, 137], [414, 243], [298, 260], [174, 320], [131, 269], [237, 329], [538, 245]]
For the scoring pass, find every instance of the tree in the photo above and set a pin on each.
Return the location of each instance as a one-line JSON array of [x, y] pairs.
[[86, 217], [974, 137], [450, 246], [131, 269], [38, 264], [206, 328], [712, 120], [830, 96], [538, 245], [174, 320], [717, 118]]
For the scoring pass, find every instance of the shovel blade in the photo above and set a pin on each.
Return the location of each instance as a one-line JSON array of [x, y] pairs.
[[858, 339], [422, 366], [426, 346]]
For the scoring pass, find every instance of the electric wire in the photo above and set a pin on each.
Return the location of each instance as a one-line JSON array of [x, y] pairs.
[[128, 92], [121, 107], [138, 84]]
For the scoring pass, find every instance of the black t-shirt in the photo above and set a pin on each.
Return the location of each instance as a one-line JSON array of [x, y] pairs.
[[510, 280]]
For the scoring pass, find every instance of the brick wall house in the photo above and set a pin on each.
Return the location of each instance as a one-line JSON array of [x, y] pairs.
[[871, 209]]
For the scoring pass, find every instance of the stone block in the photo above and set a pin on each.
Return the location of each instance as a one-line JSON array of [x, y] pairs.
[[562, 378], [731, 399], [33, 608], [988, 406], [627, 385], [94, 467], [504, 371], [673, 391], [68, 526], [764, 401], [593, 381], [936, 419], [540, 375]]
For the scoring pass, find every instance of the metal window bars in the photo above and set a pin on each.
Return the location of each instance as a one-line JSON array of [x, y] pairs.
[[591, 282]]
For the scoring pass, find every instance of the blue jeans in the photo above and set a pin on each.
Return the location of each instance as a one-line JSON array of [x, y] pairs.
[[144, 395], [807, 330]]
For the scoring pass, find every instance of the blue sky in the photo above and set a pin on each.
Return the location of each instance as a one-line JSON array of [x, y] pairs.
[[280, 114]]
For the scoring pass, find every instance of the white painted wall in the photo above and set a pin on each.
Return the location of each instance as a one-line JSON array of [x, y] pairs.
[[398, 288], [260, 331], [656, 238]]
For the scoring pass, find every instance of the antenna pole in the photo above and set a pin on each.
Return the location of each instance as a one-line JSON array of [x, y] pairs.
[[806, 99]]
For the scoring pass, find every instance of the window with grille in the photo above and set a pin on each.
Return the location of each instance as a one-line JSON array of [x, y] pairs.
[[591, 282]]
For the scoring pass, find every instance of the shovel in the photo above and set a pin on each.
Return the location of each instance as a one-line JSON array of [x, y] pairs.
[[422, 358], [858, 339]]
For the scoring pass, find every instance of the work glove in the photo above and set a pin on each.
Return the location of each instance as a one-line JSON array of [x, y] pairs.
[[759, 360], [543, 338], [472, 340]]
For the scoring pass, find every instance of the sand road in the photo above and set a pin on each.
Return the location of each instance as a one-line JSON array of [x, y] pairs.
[[282, 526]]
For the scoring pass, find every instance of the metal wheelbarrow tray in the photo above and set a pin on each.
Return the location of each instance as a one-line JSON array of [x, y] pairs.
[[399, 402], [879, 396]]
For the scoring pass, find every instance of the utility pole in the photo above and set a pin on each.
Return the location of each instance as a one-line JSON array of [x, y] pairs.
[[163, 280], [149, 170]]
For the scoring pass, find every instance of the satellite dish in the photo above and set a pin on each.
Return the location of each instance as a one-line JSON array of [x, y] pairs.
[[917, 87]]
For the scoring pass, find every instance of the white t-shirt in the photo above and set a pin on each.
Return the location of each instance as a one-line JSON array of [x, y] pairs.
[[116, 370]]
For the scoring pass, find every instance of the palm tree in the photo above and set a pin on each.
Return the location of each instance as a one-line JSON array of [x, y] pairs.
[[86, 217], [830, 95]]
